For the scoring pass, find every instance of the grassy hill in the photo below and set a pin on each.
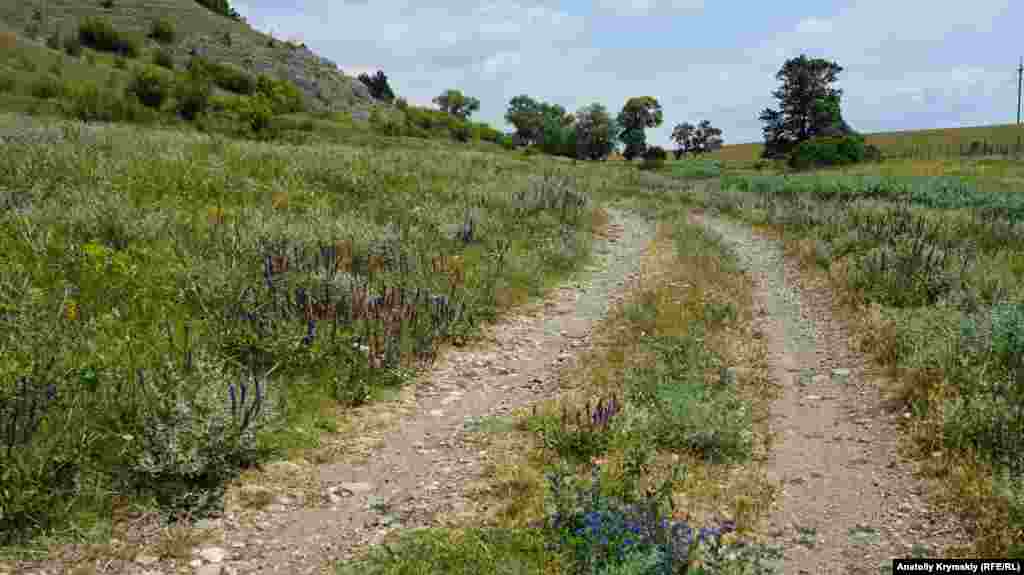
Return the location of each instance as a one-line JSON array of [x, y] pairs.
[[219, 38], [935, 143]]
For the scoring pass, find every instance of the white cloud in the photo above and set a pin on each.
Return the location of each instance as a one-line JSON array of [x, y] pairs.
[[649, 7], [946, 61], [814, 26]]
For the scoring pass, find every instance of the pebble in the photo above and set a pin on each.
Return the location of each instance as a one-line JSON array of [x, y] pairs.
[[213, 554]]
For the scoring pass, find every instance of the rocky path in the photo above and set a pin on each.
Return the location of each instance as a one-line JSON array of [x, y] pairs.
[[850, 503], [422, 465]]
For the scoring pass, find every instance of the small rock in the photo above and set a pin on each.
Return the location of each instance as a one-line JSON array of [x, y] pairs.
[[359, 487], [146, 559], [213, 554], [195, 563], [207, 524], [283, 468], [210, 570]]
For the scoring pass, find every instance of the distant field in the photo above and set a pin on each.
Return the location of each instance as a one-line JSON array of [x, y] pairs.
[[918, 143]]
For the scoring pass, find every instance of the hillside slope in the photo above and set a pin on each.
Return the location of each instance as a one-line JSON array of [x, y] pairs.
[[219, 38]]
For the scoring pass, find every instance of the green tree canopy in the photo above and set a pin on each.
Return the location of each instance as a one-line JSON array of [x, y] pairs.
[[596, 132], [457, 104], [378, 85], [808, 105], [638, 114], [529, 117]]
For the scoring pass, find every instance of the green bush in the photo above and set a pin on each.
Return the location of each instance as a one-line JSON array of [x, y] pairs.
[[91, 103], [47, 88], [828, 151], [654, 158], [73, 46], [150, 87], [162, 31], [164, 58], [53, 40], [284, 96], [193, 98], [7, 84], [100, 34], [226, 76]]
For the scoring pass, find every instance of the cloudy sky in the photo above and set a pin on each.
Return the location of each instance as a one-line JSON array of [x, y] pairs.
[[908, 64]]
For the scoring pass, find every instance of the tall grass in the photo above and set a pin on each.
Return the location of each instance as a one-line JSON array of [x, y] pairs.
[[592, 482], [937, 264], [176, 306]]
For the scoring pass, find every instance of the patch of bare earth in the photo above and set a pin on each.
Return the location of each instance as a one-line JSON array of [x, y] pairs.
[[849, 502]]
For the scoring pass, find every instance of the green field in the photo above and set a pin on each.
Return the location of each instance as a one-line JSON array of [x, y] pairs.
[[1001, 140], [183, 301]]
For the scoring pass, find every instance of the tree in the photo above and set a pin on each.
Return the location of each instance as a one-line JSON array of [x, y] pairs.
[[682, 135], [378, 85], [457, 104], [595, 132], [529, 117], [707, 138], [808, 105], [636, 115]]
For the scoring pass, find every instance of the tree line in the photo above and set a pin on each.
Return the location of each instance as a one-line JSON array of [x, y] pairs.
[[807, 129]]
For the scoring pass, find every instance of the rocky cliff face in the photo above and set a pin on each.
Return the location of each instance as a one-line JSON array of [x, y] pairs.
[[326, 86]]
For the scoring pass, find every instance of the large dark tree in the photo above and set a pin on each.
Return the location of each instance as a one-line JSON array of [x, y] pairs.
[[457, 104], [378, 85], [808, 105], [595, 132], [636, 115], [530, 117], [696, 140]]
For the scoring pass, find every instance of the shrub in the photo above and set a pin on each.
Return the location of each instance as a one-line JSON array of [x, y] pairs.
[[284, 96], [73, 46], [164, 58], [120, 63], [150, 87], [162, 31], [7, 84], [100, 34], [193, 98], [828, 151], [46, 88], [231, 78], [654, 158], [107, 4], [53, 40], [89, 102]]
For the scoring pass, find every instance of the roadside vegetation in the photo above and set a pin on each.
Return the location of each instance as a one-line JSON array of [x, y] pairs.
[[647, 462], [240, 266]]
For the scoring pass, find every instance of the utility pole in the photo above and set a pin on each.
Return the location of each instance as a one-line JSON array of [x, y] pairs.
[[1020, 76]]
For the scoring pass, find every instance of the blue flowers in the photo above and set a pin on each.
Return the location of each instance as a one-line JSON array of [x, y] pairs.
[[601, 532]]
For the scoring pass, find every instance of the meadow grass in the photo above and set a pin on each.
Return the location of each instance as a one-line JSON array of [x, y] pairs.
[[931, 266], [179, 306], [645, 462]]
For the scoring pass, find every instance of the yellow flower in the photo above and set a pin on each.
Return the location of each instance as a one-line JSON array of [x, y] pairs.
[[71, 311]]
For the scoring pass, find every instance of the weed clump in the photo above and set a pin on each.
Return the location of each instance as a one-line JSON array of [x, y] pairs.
[[99, 34]]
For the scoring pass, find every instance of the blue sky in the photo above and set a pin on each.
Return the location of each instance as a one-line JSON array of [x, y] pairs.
[[908, 64]]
